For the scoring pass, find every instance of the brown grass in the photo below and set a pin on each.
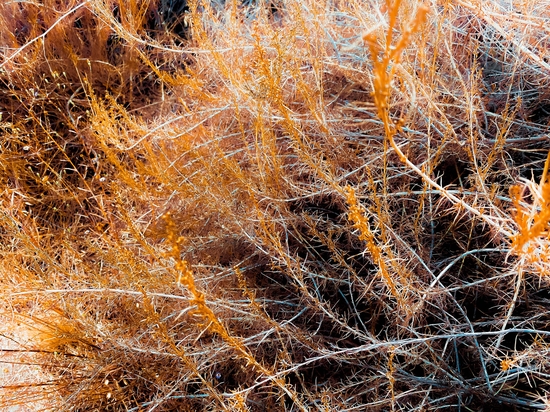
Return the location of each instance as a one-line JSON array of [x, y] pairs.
[[257, 206]]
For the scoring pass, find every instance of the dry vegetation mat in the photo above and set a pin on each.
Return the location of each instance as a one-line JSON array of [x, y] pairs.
[[289, 205]]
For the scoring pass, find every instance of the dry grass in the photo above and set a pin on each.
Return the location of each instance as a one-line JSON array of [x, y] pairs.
[[286, 205]]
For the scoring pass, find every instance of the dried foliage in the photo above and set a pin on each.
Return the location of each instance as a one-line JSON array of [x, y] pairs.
[[270, 206]]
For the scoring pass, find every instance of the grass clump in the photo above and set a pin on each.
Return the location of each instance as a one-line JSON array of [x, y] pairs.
[[299, 205]]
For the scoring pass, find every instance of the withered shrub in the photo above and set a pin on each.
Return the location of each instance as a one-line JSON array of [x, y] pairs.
[[259, 206]]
